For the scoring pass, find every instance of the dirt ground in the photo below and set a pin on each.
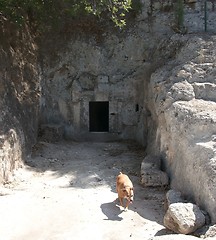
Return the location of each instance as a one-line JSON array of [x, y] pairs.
[[67, 191]]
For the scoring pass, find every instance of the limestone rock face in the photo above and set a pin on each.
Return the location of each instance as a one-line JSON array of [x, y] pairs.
[[184, 218], [19, 97], [184, 111]]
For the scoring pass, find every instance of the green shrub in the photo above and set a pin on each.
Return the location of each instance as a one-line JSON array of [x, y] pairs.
[[49, 11]]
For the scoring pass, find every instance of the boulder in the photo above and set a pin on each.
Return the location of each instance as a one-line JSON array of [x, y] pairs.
[[184, 218]]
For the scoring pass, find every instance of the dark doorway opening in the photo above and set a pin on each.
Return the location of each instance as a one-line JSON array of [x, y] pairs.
[[99, 116]]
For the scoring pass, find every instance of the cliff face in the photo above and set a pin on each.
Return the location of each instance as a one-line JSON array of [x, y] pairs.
[[85, 63], [185, 111], [90, 65], [19, 98]]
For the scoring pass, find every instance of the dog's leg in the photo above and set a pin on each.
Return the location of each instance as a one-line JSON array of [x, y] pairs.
[[121, 201], [127, 204]]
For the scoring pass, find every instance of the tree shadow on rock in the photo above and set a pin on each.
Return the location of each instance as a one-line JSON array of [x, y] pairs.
[[111, 211]]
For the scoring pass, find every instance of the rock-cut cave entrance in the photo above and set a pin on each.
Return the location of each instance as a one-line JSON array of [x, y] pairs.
[[99, 116]]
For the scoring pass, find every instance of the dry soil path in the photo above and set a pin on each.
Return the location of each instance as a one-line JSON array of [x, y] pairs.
[[67, 191]]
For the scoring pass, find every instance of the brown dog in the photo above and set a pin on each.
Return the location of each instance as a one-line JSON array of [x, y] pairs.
[[124, 188]]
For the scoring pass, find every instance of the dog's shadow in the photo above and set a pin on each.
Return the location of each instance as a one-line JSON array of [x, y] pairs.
[[112, 211]]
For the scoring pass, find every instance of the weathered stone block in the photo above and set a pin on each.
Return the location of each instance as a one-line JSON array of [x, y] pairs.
[[151, 161], [154, 178], [151, 175], [184, 218]]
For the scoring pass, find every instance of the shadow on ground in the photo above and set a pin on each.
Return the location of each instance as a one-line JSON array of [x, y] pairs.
[[112, 211], [88, 165], [163, 232]]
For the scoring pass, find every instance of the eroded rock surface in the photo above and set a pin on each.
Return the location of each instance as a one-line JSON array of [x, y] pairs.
[[184, 218], [186, 120], [151, 174], [19, 96]]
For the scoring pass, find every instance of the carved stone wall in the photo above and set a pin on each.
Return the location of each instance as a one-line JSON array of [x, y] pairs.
[[19, 97]]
